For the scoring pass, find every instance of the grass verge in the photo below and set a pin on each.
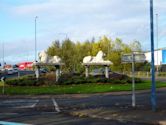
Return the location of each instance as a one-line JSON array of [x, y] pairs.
[[77, 89]]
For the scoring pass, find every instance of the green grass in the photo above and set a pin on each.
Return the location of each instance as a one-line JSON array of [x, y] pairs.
[[74, 89]]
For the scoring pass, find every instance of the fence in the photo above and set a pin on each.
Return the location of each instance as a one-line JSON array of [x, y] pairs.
[[145, 74]]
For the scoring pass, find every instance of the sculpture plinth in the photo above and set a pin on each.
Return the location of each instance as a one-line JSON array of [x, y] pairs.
[[56, 65], [45, 60], [96, 61]]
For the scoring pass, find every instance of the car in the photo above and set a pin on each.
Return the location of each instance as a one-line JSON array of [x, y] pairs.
[[99, 71], [43, 70], [10, 71], [1, 71], [15, 70]]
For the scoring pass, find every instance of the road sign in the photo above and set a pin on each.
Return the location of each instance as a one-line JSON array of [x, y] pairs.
[[128, 58], [132, 58]]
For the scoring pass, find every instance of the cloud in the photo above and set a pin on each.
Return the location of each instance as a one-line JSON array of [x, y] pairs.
[[84, 19], [62, 7]]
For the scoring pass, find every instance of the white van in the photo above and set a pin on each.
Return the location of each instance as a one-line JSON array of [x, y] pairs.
[[10, 71]]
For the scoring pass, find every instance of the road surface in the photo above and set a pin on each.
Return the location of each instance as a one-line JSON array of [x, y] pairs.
[[56, 109], [15, 75]]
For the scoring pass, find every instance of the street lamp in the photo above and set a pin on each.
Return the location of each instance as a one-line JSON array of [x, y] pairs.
[[157, 41], [153, 87], [3, 55], [35, 39]]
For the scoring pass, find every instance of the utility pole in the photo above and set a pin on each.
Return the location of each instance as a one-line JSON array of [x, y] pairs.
[[3, 55], [157, 39], [35, 40], [153, 87]]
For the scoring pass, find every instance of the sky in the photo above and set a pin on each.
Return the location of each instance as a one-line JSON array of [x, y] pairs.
[[78, 20]]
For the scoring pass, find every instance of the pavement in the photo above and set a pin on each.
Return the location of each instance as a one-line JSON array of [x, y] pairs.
[[125, 114], [80, 109]]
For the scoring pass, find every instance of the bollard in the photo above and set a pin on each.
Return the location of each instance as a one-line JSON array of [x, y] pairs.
[[106, 72], [37, 71], [3, 81], [147, 74], [18, 74], [57, 73], [87, 71]]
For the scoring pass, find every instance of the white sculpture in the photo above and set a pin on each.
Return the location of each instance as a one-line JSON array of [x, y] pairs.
[[44, 58], [96, 59]]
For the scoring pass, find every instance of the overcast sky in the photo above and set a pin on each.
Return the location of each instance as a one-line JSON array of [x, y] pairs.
[[78, 19]]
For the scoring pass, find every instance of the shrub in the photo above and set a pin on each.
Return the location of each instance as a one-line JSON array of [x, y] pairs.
[[115, 78], [68, 79], [162, 74]]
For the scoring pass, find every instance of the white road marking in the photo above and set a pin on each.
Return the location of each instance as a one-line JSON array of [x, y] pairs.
[[20, 103], [32, 106], [55, 105], [14, 101]]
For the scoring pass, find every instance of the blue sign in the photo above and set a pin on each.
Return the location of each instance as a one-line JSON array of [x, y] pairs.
[[163, 56]]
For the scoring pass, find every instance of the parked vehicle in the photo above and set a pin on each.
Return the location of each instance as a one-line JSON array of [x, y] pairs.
[[10, 71], [43, 70], [99, 71], [15, 70]]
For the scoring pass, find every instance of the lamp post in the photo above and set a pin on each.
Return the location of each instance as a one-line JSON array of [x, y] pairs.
[[157, 41], [35, 39], [3, 55], [153, 87]]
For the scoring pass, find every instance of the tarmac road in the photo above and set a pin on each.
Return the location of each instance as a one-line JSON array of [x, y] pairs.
[[15, 75], [43, 111], [56, 109]]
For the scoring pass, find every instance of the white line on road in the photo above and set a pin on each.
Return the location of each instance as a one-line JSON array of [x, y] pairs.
[[28, 106], [55, 105], [32, 106], [8, 113]]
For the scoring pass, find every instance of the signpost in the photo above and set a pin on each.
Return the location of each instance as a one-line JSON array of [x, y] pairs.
[[132, 58], [133, 80]]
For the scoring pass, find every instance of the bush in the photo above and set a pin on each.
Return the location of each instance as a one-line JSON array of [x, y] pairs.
[[31, 80], [23, 81], [68, 79], [162, 74]]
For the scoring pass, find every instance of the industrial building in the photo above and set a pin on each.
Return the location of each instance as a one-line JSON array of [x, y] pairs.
[[159, 56], [25, 66]]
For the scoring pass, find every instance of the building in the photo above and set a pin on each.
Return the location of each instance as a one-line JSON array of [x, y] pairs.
[[25, 66], [159, 57], [7, 66]]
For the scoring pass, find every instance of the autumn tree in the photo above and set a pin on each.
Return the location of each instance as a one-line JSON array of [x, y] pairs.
[[72, 53]]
